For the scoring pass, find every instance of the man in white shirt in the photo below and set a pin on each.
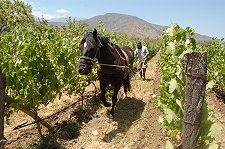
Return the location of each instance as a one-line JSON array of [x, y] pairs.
[[142, 53]]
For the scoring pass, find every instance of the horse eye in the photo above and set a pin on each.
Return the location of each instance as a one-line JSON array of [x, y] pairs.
[[90, 52]]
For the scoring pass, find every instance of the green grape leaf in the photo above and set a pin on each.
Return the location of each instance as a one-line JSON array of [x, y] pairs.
[[170, 115], [210, 84], [179, 104], [160, 120], [213, 146], [214, 130], [172, 85], [169, 145]]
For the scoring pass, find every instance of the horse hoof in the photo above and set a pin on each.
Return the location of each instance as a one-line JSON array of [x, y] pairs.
[[110, 118], [124, 95], [107, 104]]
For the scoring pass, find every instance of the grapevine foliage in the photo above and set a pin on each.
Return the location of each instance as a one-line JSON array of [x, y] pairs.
[[177, 42], [216, 55], [39, 60]]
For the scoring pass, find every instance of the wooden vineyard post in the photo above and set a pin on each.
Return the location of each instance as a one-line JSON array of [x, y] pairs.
[[2, 108], [196, 72]]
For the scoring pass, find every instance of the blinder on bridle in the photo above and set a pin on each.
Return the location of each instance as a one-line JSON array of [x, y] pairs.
[[94, 59], [97, 45]]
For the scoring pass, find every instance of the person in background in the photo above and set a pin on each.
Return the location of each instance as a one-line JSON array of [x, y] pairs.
[[141, 52]]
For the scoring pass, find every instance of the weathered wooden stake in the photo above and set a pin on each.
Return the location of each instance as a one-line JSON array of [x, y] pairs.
[[2, 108], [196, 72]]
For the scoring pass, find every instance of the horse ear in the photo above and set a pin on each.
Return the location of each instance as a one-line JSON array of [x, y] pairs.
[[95, 34], [85, 32]]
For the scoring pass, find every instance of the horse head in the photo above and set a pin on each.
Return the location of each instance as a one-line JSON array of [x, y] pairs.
[[89, 48]]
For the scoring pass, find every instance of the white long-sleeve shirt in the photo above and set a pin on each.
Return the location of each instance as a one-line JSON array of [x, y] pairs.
[[143, 51]]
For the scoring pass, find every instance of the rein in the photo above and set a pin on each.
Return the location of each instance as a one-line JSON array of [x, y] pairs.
[[110, 65], [126, 69]]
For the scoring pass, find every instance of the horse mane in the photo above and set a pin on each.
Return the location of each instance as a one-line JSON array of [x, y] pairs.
[[90, 40], [104, 40]]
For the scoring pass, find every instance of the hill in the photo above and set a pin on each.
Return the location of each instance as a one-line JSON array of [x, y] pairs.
[[126, 24], [64, 19], [132, 25]]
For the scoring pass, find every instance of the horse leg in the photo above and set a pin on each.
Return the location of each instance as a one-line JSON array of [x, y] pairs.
[[114, 99], [102, 95], [126, 85]]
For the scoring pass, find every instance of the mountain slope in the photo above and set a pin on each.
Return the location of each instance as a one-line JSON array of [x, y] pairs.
[[132, 25], [64, 19], [126, 24]]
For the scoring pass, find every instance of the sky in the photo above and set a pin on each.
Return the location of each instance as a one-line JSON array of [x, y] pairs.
[[206, 17]]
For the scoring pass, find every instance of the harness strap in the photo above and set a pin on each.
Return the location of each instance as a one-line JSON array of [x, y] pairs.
[[126, 69], [93, 60], [124, 57]]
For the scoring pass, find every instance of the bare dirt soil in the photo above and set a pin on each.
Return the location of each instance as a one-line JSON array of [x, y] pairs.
[[135, 124], [219, 115]]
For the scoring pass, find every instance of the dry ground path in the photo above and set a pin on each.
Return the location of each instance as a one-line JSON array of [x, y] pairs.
[[136, 119], [135, 127]]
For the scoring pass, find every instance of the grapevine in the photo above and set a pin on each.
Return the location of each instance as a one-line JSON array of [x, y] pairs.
[[177, 42], [40, 61]]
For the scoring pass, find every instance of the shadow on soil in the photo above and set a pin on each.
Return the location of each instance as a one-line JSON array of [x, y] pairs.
[[127, 111], [69, 129]]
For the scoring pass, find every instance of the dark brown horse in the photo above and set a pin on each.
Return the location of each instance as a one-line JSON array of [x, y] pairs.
[[114, 64]]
